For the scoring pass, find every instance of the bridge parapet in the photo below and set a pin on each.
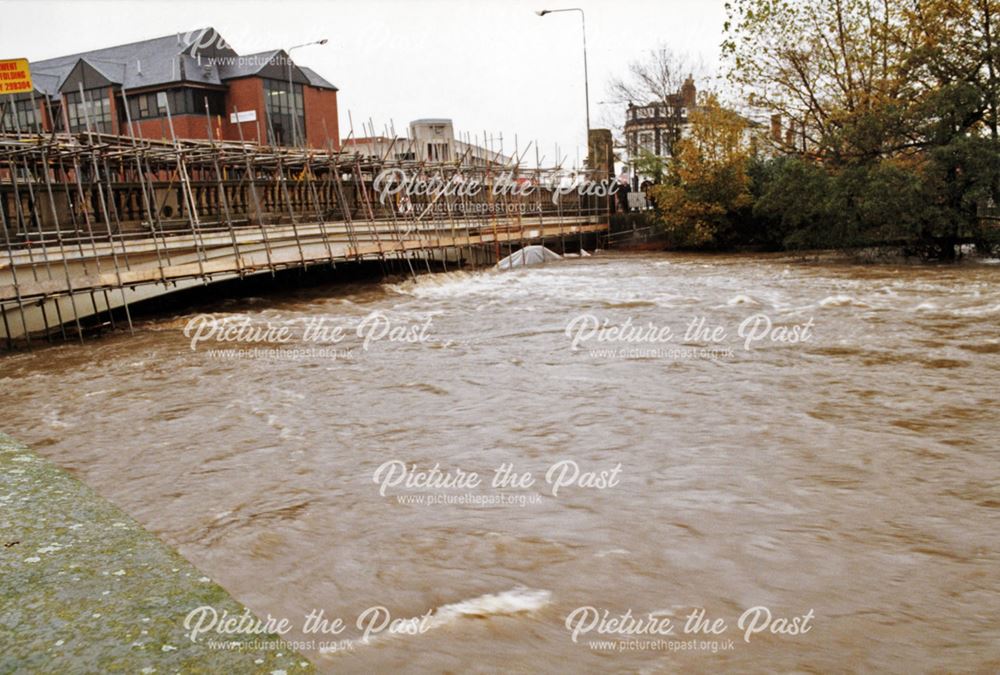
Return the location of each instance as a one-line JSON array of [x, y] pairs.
[[91, 223]]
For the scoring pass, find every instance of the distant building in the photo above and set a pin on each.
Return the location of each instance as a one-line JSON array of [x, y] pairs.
[[185, 74], [657, 126], [429, 140]]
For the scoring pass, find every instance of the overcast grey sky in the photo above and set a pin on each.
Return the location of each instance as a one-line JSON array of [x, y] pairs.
[[489, 65]]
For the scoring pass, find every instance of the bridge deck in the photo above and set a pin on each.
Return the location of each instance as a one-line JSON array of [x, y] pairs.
[[90, 223], [104, 265]]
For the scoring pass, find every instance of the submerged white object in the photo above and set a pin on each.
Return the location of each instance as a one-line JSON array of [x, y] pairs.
[[529, 255]]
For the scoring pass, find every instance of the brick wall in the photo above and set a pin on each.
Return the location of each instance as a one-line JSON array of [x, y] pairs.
[[244, 94], [115, 127], [321, 108]]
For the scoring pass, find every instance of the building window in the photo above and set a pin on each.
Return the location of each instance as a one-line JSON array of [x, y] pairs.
[[95, 108], [216, 101], [21, 116], [285, 114], [184, 101], [437, 152]]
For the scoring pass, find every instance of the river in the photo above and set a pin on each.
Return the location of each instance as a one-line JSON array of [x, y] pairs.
[[826, 447]]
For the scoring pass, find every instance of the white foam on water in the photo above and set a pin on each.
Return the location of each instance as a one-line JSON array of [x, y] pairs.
[[611, 551], [55, 420], [977, 311], [673, 610], [842, 301], [514, 601], [741, 299], [535, 284], [519, 600], [425, 281]]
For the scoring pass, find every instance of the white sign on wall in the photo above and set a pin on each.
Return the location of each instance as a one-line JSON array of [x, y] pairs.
[[244, 116]]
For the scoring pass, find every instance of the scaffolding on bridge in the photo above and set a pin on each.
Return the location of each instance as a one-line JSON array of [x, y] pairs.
[[91, 216]]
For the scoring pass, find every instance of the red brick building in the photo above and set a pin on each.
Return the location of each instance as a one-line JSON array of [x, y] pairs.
[[184, 86]]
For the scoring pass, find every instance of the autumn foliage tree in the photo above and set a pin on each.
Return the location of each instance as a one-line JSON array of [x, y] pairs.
[[892, 102], [707, 185]]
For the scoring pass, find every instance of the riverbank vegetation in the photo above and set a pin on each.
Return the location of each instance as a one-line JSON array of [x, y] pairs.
[[888, 134]]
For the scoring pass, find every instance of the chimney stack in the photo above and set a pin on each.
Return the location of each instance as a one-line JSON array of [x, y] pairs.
[[689, 93]]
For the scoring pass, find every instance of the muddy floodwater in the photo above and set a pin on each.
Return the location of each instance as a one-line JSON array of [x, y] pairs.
[[823, 443]]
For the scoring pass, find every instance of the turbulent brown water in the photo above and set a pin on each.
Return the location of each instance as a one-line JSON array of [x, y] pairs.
[[853, 473]]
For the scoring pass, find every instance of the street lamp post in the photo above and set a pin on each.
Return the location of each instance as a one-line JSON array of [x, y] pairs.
[[586, 84], [291, 86]]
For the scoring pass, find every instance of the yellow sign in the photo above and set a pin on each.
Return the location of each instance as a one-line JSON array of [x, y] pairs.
[[15, 77]]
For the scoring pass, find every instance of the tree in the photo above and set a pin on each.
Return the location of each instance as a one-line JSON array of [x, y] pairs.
[[864, 79], [649, 165], [791, 203], [707, 185], [821, 64], [895, 102], [658, 74]]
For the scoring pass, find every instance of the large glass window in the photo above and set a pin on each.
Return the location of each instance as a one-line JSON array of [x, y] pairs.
[[284, 111], [20, 116], [185, 101], [96, 105]]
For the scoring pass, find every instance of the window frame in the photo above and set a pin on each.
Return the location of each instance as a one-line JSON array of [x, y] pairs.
[[279, 107], [151, 105], [22, 117], [98, 107]]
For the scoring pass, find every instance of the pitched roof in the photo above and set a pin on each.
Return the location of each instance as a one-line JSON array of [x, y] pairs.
[[315, 79], [199, 56], [137, 64], [247, 64]]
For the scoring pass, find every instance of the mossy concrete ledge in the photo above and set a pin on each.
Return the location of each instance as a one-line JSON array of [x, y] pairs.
[[86, 589]]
